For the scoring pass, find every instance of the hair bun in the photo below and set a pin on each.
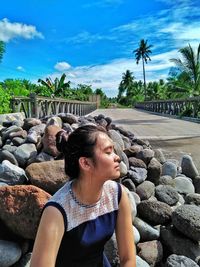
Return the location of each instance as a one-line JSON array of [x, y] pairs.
[[61, 140]]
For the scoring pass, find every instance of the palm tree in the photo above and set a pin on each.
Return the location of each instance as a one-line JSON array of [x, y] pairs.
[[2, 49], [142, 52], [189, 67], [126, 83]]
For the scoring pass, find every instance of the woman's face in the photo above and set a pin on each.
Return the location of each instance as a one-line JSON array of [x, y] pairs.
[[106, 161]]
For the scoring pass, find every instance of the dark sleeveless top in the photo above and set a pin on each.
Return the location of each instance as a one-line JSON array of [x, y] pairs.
[[87, 227]]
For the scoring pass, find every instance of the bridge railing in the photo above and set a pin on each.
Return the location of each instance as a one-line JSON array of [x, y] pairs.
[[172, 106], [38, 107]]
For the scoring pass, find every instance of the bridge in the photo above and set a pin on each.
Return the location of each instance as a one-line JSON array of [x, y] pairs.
[[174, 136]]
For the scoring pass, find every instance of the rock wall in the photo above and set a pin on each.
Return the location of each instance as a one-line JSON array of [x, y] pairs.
[[164, 196]]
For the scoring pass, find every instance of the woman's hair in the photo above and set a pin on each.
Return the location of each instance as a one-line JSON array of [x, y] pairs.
[[80, 143]]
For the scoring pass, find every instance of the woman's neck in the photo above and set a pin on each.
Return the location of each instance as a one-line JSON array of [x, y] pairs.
[[87, 191]]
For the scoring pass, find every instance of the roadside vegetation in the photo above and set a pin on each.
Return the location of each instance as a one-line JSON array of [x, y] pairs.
[[183, 81]]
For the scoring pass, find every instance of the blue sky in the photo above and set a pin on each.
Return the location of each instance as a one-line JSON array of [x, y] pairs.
[[92, 41]]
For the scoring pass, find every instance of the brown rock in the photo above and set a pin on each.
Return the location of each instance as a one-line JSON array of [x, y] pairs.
[[151, 252], [137, 162], [49, 140], [21, 207], [49, 175], [133, 150]]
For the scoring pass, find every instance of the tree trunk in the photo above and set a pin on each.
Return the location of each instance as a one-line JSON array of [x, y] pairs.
[[144, 79]]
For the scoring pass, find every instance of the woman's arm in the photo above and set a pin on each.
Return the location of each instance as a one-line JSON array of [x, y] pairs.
[[124, 233], [48, 238]]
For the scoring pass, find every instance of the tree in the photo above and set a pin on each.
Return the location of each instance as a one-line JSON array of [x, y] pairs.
[[142, 52], [2, 49], [126, 83], [189, 67], [58, 87]]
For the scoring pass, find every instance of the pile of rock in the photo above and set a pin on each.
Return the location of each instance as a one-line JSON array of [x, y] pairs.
[[164, 195]]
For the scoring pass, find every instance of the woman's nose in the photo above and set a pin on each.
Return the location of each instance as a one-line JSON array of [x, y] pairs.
[[117, 158]]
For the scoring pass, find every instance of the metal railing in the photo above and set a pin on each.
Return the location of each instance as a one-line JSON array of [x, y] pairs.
[[38, 107]]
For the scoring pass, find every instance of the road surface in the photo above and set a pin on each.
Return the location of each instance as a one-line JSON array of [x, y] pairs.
[[175, 137]]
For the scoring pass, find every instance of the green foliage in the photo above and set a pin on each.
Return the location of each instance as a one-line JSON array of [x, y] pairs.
[[5, 101], [189, 69], [15, 87]]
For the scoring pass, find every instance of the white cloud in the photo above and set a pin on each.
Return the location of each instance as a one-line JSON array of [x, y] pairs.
[[108, 76], [62, 66], [20, 68], [10, 30]]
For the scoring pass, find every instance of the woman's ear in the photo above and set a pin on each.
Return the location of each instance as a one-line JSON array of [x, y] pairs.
[[85, 163]]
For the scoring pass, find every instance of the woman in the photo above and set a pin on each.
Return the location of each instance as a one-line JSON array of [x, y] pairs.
[[81, 217]]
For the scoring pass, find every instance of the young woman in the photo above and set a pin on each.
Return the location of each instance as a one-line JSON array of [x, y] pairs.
[[81, 217]]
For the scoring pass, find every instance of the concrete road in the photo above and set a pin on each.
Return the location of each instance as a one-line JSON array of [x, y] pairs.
[[175, 137]]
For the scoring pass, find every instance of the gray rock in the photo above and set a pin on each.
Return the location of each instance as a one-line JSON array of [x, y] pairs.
[[154, 171], [116, 137], [137, 175], [196, 183], [136, 197], [154, 212], [136, 235], [123, 169], [146, 155], [10, 148], [193, 199], [166, 194], [24, 152], [111, 251], [24, 261], [188, 167], [180, 261], [129, 184], [158, 154], [167, 180], [138, 163], [179, 244], [186, 219], [145, 190], [10, 253], [68, 117], [6, 155], [183, 185], [11, 174], [140, 262], [147, 232], [170, 169], [32, 137], [18, 141], [39, 129]]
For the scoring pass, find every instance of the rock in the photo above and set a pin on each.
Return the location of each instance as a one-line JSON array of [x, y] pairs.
[[49, 176], [196, 183], [24, 152], [180, 261], [49, 140], [123, 169], [154, 212], [146, 155], [18, 141], [183, 185], [132, 150], [10, 253], [188, 167], [177, 243], [68, 118], [136, 235], [166, 180], [11, 174], [154, 171], [111, 251], [24, 261], [169, 168], [193, 199], [166, 194], [30, 122], [186, 219], [21, 207], [129, 184], [54, 121], [147, 232], [116, 137], [151, 252], [137, 162], [6, 155], [158, 154], [140, 262], [145, 190], [137, 175]]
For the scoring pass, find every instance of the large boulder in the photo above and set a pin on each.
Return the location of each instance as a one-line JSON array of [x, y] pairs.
[[21, 207]]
